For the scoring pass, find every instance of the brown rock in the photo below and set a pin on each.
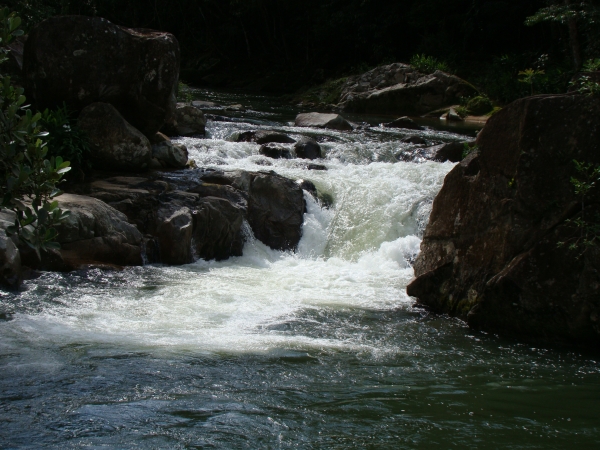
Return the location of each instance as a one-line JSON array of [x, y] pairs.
[[491, 252]]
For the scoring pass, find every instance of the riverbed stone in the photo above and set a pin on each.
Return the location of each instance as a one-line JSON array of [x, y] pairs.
[[307, 148], [114, 143], [265, 137], [187, 121], [275, 151], [83, 60], [502, 249], [175, 235], [170, 155], [10, 263], [403, 122], [319, 120]]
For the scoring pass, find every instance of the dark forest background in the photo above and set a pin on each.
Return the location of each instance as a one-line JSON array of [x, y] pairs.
[[286, 45]]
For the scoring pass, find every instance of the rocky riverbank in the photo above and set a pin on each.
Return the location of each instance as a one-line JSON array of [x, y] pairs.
[[512, 244]]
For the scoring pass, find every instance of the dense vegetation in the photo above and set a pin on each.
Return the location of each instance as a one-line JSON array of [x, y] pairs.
[[298, 43]]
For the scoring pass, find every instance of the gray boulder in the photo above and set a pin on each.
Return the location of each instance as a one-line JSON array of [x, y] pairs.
[[170, 155], [403, 122], [114, 143], [96, 233], [318, 120], [401, 89], [83, 60]]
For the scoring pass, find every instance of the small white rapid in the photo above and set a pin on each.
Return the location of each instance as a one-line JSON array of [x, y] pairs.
[[356, 253]]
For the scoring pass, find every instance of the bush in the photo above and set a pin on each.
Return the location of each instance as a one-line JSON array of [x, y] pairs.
[[27, 178], [428, 64], [65, 138]]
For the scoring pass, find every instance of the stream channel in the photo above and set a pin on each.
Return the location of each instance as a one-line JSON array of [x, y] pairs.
[[319, 349]]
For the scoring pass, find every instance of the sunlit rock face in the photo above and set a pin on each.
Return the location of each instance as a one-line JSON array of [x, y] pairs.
[[504, 248], [81, 60]]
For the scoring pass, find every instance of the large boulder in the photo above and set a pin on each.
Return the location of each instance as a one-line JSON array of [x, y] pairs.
[[319, 120], [505, 247], [401, 89], [114, 143], [276, 208], [175, 235], [96, 233], [82, 60]]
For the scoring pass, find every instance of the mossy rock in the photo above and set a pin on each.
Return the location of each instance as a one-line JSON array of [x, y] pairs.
[[479, 105]]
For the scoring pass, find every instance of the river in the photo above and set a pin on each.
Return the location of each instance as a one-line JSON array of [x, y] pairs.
[[320, 348]]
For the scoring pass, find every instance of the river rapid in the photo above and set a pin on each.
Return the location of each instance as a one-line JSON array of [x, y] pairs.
[[320, 348]]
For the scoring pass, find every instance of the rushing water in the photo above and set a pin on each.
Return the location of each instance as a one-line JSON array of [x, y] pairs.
[[317, 349]]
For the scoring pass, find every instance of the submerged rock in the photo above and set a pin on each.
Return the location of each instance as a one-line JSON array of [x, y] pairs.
[[114, 143], [492, 252], [83, 60], [318, 120]]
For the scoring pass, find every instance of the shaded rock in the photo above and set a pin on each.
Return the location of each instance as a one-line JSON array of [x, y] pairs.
[[275, 151], [308, 186], [316, 167], [403, 122], [170, 155], [187, 121], [491, 252], [265, 137], [235, 196], [83, 60], [307, 148], [158, 138], [97, 233], [10, 263], [417, 140], [318, 120], [235, 108], [276, 210], [401, 89], [452, 151], [114, 143]]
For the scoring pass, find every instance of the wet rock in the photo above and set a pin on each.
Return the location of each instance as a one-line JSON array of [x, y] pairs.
[[175, 235], [83, 60], [417, 140], [235, 196], [97, 233], [170, 155], [203, 104], [401, 89], [235, 108], [218, 229], [403, 122], [275, 151], [318, 120], [307, 148], [265, 137], [114, 143], [308, 186], [187, 121], [275, 210], [491, 253], [453, 116], [316, 167]]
